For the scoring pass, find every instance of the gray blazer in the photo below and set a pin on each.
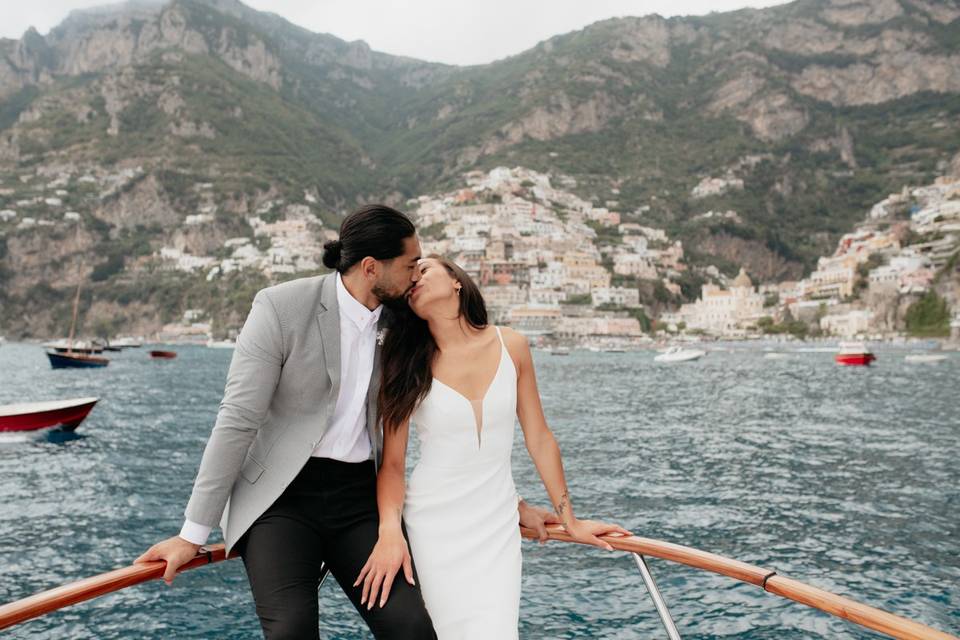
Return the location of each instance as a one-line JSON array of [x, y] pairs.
[[281, 391]]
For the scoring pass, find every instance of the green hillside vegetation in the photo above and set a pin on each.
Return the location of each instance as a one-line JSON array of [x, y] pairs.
[[631, 119]]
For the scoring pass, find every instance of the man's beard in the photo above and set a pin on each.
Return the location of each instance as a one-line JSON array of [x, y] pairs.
[[389, 299]]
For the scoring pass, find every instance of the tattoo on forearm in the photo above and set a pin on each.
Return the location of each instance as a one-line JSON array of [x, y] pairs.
[[562, 506]]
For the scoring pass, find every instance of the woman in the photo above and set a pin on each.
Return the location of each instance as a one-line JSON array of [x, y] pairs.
[[463, 383]]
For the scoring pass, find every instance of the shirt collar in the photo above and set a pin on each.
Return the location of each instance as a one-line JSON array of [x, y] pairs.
[[353, 309]]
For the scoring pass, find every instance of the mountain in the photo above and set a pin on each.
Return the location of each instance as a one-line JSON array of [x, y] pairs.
[[134, 116]]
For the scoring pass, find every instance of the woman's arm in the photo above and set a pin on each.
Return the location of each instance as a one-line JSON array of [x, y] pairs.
[[543, 448], [391, 551]]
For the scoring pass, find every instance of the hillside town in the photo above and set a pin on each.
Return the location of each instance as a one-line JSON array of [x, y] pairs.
[[557, 267], [547, 261], [876, 272]]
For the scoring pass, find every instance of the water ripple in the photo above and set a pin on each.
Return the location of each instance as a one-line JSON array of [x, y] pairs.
[[843, 478]]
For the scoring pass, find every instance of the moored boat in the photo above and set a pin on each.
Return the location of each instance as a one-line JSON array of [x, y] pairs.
[[32, 416], [70, 360], [854, 354], [159, 354], [71, 357], [221, 344], [78, 346], [127, 342], [679, 354], [925, 358]]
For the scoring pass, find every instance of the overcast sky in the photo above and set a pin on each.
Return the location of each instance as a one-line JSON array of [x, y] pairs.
[[451, 31]]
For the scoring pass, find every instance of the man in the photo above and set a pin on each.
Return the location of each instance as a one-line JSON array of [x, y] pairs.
[[289, 470]]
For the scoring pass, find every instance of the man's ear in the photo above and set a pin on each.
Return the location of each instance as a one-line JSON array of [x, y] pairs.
[[369, 267]]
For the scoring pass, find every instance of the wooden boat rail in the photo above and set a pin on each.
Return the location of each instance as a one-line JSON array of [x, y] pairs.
[[887, 623]]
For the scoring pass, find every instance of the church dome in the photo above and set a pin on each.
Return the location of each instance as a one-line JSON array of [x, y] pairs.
[[743, 280]]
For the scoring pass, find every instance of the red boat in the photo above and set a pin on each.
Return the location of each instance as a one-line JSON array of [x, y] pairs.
[[31, 416], [163, 354], [854, 354]]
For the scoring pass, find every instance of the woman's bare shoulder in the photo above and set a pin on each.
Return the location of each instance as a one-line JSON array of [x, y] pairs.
[[517, 345]]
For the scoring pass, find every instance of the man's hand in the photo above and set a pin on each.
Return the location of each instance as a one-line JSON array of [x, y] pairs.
[[537, 518], [175, 551]]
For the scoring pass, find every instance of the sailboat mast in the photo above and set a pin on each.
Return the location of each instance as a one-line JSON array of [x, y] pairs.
[[73, 322]]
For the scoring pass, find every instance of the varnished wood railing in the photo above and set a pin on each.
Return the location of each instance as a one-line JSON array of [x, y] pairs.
[[89, 588], [767, 579]]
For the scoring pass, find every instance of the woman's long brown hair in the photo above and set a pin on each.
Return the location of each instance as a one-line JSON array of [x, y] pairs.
[[409, 350]]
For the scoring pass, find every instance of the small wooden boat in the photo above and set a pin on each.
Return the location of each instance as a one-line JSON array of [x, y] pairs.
[[31, 416], [70, 360], [80, 357], [559, 351], [63, 346], [163, 355], [854, 354]]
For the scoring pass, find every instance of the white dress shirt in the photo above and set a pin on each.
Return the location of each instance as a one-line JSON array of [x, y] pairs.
[[346, 439]]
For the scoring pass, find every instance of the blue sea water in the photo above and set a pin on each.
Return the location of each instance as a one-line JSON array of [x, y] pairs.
[[845, 478]]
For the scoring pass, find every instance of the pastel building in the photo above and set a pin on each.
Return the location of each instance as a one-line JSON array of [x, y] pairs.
[[722, 310]]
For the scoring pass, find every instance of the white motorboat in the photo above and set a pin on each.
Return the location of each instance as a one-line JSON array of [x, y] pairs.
[[680, 354], [221, 344], [925, 358], [127, 342]]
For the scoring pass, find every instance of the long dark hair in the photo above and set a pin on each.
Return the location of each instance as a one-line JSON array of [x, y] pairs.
[[409, 350], [375, 230]]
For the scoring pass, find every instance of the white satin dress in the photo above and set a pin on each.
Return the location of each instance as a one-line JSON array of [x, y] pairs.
[[461, 509]]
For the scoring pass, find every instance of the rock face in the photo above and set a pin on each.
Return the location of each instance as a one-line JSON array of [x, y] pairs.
[[887, 77], [638, 111]]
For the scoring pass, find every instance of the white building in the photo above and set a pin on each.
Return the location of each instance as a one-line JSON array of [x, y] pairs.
[[849, 324], [724, 310], [834, 277], [618, 296], [633, 264]]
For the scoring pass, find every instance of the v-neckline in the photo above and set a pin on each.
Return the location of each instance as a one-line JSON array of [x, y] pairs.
[[477, 405], [489, 385]]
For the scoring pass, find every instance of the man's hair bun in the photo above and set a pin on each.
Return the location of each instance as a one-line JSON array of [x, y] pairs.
[[331, 254]]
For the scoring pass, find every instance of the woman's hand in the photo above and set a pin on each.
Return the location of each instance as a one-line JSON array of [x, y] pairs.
[[388, 555], [587, 532]]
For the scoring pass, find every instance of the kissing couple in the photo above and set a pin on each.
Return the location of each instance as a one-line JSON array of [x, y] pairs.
[[305, 467]]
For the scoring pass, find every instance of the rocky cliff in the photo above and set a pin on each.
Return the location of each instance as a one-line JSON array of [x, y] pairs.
[[135, 116]]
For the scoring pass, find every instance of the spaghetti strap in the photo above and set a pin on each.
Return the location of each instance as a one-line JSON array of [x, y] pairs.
[[500, 335]]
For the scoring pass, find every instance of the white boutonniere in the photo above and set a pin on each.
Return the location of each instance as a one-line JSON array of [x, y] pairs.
[[380, 336]]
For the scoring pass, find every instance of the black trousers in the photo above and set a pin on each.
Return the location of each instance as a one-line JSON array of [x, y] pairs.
[[329, 515]]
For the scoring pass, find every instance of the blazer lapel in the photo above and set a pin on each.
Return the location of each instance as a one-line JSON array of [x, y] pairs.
[[329, 319], [373, 419]]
